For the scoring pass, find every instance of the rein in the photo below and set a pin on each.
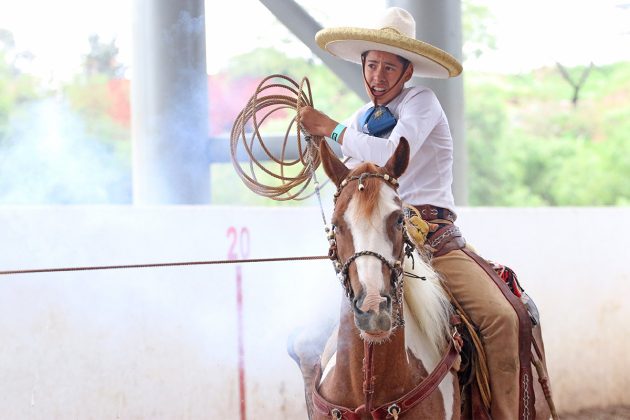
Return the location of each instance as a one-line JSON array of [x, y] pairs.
[[397, 407], [173, 264]]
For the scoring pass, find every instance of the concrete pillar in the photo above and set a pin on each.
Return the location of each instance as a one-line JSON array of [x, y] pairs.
[[169, 98], [439, 23]]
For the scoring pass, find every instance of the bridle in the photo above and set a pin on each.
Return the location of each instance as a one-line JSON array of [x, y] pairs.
[[395, 267]]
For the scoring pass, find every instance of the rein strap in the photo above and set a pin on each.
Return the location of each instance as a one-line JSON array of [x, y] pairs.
[[400, 405], [424, 388]]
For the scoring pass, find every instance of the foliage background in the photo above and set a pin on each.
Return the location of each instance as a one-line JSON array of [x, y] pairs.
[[530, 146], [528, 143]]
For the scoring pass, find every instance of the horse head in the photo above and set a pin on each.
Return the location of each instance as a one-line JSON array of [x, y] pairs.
[[368, 239]]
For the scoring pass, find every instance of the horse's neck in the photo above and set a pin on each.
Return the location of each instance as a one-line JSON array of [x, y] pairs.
[[394, 369]]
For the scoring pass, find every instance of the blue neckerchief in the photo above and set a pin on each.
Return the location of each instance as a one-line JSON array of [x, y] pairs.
[[378, 121]]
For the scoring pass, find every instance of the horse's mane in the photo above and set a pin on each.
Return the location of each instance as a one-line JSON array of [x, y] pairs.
[[427, 302]]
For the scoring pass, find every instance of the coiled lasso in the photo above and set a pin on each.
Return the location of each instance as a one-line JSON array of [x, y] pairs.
[[276, 93]]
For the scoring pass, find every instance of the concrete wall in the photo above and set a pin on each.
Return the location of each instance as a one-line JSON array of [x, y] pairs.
[[163, 343]]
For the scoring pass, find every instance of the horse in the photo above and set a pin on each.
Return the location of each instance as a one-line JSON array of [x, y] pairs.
[[383, 361]]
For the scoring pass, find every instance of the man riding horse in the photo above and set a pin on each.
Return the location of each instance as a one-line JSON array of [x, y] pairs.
[[390, 55]]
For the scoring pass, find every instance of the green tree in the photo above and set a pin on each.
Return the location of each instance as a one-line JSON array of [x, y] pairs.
[[529, 146], [329, 93], [15, 85], [486, 121], [90, 93], [102, 58], [476, 19]]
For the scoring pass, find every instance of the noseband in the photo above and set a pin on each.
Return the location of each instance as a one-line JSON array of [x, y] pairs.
[[395, 267]]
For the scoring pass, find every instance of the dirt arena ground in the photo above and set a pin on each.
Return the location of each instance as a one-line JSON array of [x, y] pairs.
[[606, 413]]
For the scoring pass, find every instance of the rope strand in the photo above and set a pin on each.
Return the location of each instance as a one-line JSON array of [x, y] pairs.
[[173, 264], [263, 103]]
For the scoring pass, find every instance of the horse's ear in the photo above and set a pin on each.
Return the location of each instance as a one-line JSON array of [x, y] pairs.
[[397, 163], [334, 168]]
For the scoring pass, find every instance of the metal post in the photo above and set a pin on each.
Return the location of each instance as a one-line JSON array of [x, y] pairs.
[[169, 99], [439, 23], [304, 27]]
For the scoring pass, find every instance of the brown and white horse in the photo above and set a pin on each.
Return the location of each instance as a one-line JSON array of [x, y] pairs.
[[385, 360], [374, 367]]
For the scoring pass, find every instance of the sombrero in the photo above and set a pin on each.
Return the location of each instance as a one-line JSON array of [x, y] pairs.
[[395, 33]]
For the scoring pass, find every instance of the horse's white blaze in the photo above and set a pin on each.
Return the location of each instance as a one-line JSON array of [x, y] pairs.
[[371, 235]]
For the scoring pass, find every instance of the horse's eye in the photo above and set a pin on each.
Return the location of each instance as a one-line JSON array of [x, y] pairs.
[[401, 219]]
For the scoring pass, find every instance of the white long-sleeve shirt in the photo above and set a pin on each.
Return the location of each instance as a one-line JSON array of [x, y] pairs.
[[421, 120]]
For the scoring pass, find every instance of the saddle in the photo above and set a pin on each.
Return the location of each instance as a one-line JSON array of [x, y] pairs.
[[439, 239]]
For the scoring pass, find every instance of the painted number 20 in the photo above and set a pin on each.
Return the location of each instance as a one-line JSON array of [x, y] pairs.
[[239, 243]]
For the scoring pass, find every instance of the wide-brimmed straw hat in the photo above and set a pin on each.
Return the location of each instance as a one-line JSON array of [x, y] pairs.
[[395, 33]]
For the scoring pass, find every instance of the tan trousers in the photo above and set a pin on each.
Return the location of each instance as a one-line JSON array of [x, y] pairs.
[[498, 324]]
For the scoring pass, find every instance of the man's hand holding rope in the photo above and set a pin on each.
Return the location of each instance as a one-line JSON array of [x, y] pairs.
[[316, 123]]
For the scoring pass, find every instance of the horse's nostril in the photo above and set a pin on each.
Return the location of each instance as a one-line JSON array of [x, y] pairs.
[[357, 305], [386, 304]]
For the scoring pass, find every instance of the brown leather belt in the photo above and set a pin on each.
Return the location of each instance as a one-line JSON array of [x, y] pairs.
[[444, 240], [428, 213]]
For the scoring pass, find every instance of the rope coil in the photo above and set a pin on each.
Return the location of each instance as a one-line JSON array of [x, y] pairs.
[[275, 93]]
